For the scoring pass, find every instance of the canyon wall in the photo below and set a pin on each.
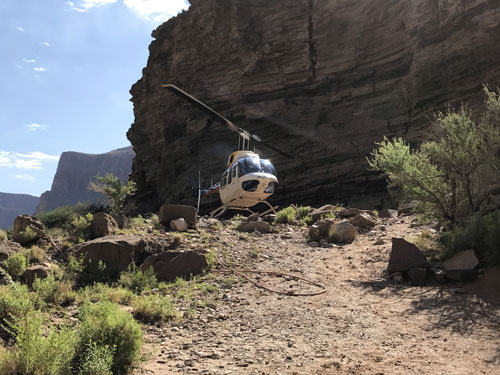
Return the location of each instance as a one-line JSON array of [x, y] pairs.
[[76, 170], [320, 79], [12, 205]]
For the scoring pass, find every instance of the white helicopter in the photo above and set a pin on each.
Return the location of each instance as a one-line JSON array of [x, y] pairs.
[[248, 180]]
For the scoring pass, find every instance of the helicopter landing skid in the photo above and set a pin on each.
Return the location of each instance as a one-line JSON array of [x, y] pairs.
[[222, 209]]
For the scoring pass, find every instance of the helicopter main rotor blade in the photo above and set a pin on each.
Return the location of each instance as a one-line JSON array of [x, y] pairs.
[[205, 108], [219, 118]]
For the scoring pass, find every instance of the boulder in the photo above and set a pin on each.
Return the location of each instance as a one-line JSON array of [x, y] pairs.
[[35, 272], [348, 212], [404, 256], [102, 225], [363, 220], [169, 212], [319, 213], [7, 248], [461, 261], [179, 225], [117, 252], [325, 226], [253, 217], [252, 226], [387, 213], [343, 232], [172, 264], [21, 225]]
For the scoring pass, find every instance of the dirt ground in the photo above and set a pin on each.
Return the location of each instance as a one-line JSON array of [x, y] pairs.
[[363, 324]]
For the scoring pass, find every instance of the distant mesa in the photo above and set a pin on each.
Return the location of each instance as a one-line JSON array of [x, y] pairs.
[[12, 205], [76, 170]]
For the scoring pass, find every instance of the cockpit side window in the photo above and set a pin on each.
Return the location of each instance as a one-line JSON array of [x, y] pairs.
[[223, 179], [267, 167]]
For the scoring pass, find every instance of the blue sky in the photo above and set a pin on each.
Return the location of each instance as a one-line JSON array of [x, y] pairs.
[[66, 69]]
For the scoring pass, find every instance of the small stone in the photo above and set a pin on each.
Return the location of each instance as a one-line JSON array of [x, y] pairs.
[[379, 242]]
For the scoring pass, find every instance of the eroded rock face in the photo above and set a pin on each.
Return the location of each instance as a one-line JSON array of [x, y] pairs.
[[76, 170], [322, 80]]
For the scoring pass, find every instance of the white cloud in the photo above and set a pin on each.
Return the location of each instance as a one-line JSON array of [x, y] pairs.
[[34, 127], [25, 177], [46, 44], [40, 69], [156, 10], [29, 61], [85, 5], [150, 10], [20, 28], [32, 160]]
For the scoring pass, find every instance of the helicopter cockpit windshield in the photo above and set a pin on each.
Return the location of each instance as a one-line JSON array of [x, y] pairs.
[[248, 165]]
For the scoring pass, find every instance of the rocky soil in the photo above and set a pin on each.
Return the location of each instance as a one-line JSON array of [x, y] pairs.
[[363, 324]]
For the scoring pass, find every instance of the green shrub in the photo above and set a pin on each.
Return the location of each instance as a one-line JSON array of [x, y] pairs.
[[16, 264], [80, 226], [7, 362], [136, 222], [480, 233], [96, 360], [50, 291], [3, 235], [37, 255], [15, 303], [41, 353], [105, 324], [155, 222], [153, 308], [302, 212], [453, 177], [286, 215], [27, 236], [102, 292], [137, 280], [62, 217]]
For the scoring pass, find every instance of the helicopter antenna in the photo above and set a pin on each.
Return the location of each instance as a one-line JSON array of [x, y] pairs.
[[245, 135]]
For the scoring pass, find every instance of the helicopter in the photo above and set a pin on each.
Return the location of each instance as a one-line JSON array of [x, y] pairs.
[[248, 179]]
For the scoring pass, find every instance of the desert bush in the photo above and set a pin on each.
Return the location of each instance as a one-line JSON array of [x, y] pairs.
[[62, 217], [155, 222], [105, 324], [50, 291], [80, 226], [102, 292], [285, 215], [36, 255], [153, 308], [455, 176], [41, 353], [302, 212], [16, 264], [3, 235], [96, 360], [480, 233], [114, 191], [137, 280], [27, 236], [136, 222], [15, 303]]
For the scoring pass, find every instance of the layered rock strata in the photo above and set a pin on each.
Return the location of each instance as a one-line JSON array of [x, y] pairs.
[[322, 80]]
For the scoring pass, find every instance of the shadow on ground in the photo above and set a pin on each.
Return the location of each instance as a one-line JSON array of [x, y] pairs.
[[449, 306]]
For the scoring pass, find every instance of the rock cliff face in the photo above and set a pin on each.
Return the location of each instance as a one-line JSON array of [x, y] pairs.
[[12, 205], [75, 171], [323, 80]]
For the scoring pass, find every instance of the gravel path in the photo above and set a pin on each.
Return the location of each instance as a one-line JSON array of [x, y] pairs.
[[363, 324]]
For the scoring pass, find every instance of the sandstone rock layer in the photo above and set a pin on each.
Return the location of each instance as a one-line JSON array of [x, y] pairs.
[[322, 80]]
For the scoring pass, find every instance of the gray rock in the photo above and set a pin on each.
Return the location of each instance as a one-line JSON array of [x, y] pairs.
[[179, 225], [35, 272], [102, 225], [172, 264], [7, 248], [260, 226], [319, 213], [379, 241], [169, 212], [348, 212], [343, 232], [253, 217], [463, 260], [387, 213], [363, 220], [404, 256], [22, 223]]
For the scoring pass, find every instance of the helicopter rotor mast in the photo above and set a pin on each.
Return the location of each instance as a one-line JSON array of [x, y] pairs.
[[245, 136]]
